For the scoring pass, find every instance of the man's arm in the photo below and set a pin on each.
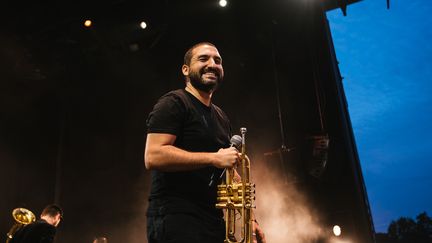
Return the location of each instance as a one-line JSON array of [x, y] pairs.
[[161, 154]]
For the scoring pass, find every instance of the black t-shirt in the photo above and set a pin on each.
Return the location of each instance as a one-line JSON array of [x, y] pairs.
[[198, 128]]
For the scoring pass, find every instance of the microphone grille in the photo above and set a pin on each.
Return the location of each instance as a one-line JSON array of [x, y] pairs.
[[236, 141]]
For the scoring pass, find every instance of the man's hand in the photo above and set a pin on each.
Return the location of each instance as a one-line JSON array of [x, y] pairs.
[[258, 234], [226, 158]]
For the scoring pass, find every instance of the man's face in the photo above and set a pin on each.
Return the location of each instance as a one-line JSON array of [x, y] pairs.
[[52, 220], [205, 71], [56, 220]]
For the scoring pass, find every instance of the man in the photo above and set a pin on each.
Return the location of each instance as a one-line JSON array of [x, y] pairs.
[[43, 230], [187, 147]]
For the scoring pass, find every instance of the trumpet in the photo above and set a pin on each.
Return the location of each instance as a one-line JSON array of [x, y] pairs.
[[235, 196], [22, 217]]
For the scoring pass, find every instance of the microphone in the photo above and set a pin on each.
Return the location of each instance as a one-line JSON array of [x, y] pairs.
[[235, 142]]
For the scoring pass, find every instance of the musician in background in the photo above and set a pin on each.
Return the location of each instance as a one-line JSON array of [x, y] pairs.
[[42, 230], [100, 240], [187, 147]]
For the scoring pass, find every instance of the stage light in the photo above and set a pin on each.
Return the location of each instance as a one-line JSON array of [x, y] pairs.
[[223, 3], [337, 231], [87, 23], [143, 25]]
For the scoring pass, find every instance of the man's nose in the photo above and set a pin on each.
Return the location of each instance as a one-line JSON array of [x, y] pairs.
[[212, 63]]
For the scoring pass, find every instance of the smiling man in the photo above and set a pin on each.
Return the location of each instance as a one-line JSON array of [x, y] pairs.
[[187, 144]]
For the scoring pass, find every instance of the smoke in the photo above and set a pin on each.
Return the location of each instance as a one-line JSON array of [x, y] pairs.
[[282, 210], [137, 230]]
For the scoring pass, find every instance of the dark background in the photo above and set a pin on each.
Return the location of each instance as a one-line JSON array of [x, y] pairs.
[[74, 102]]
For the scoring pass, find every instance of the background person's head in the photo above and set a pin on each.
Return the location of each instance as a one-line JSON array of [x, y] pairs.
[[100, 240], [53, 214]]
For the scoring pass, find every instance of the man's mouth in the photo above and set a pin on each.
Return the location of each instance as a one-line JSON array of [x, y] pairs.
[[210, 75]]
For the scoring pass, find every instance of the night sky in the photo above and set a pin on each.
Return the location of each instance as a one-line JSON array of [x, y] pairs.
[[385, 58]]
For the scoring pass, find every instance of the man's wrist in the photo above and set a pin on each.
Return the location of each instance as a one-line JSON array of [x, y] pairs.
[[209, 159]]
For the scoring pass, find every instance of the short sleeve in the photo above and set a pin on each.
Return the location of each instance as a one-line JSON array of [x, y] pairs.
[[167, 115]]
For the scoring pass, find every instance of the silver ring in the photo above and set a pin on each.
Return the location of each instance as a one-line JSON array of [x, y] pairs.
[[253, 234]]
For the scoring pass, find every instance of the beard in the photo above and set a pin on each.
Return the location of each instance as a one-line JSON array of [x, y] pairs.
[[207, 85]]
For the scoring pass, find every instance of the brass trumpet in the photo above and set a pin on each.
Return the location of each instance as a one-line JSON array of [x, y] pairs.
[[238, 196], [22, 217]]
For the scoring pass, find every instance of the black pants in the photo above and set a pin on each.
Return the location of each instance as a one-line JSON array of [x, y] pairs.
[[184, 228]]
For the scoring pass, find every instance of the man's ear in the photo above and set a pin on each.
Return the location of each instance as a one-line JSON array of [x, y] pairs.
[[185, 70]]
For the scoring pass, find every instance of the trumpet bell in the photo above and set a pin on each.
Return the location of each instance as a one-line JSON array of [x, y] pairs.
[[23, 216]]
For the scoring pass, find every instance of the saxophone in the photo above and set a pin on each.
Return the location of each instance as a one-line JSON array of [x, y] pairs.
[[22, 217], [237, 196]]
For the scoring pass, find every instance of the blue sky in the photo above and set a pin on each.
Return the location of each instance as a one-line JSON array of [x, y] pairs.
[[385, 58]]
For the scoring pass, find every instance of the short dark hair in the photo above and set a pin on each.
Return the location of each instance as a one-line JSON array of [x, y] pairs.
[[52, 210], [188, 55]]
